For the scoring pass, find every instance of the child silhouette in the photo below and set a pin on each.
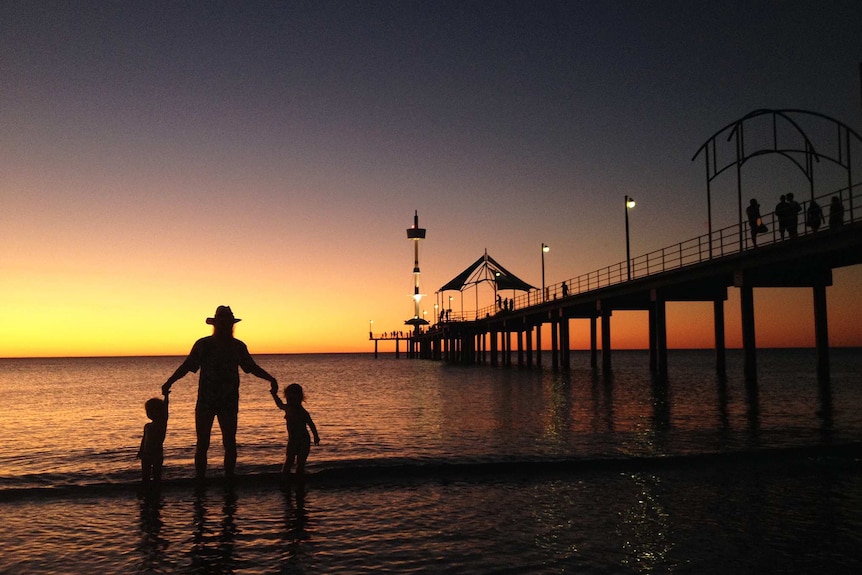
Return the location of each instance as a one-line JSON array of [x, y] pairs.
[[151, 452], [298, 420]]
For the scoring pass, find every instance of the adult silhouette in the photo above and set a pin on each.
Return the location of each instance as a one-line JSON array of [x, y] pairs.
[[793, 209], [836, 213], [782, 214], [219, 358], [755, 222]]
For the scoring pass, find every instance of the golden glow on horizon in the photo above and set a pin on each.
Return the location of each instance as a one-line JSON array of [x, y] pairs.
[[85, 330], [67, 315]]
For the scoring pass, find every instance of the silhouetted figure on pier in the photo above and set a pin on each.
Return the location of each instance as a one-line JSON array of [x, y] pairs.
[[298, 422], [499, 302], [782, 212], [793, 209], [151, 452], [219, 358], [814, 216], [565, 289], [755, 223], [836, 213]]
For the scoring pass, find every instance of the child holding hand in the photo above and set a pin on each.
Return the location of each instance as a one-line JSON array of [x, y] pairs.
[[298, 422]]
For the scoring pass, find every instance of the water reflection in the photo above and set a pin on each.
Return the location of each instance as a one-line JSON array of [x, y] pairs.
[[825, 413], [661, 403], [723, 411], [602, 393], [213, 542], [296, 554], [561, 407], [752, 400], [152, 544], [644, 527]]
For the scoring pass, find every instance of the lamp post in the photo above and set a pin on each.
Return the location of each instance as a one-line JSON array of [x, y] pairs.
[[630, 203], [436, 316], [449, 311], [370, 332], [545, 249]]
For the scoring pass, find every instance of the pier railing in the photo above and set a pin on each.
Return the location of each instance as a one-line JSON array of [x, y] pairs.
[[723, 242]]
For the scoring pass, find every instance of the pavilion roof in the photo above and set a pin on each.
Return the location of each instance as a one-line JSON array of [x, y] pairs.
[[486, 269]]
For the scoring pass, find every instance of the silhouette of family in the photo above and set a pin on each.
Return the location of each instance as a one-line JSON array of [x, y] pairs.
[[219, 357]]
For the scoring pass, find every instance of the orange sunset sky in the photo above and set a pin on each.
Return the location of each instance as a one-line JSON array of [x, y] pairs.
[[158, 160]]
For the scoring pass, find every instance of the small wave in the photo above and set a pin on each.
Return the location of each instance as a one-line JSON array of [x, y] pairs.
[[360, 473]]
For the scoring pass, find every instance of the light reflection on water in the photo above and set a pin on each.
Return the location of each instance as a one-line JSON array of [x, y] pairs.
[[798, 519], [71, 420], [79, 421]]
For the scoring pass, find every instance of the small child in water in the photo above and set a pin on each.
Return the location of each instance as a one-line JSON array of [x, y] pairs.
[[298, 420], [151, 452]]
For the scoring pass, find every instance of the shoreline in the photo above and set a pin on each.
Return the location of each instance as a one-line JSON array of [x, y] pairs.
[[848, 455]]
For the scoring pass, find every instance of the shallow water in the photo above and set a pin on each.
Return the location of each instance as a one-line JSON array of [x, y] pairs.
[[749, 520], [428, 468]]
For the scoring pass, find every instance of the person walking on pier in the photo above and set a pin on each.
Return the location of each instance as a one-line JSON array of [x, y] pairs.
[[219, 357], [793, 209], [755, 223], [836, 213], [782, 211], [814, 216]]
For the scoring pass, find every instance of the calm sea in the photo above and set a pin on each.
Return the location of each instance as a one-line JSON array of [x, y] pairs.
[[425, 467]]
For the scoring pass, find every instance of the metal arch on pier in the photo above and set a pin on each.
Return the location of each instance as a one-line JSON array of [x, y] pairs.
[[794, 151]]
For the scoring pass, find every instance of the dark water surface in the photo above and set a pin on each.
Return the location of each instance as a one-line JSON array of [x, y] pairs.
[[429, 468]]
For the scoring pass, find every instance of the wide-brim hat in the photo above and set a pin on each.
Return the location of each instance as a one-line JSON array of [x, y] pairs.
[[223, 314]]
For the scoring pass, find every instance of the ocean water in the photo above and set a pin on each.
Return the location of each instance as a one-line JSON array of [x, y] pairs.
[[425, 467]]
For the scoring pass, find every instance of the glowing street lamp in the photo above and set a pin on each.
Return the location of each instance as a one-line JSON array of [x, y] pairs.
[[545, 249], [630, 203]]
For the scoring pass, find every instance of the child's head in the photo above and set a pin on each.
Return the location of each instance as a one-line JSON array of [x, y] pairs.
[[293, 393], [155, 408]]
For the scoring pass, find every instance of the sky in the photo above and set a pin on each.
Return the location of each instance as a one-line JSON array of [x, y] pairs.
[[158, 159]]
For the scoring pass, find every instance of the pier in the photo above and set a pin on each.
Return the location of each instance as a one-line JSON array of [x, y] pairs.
[[683, 272], [701, 269]]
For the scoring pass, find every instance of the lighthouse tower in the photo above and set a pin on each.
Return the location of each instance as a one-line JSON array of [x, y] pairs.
[[415, 234]]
